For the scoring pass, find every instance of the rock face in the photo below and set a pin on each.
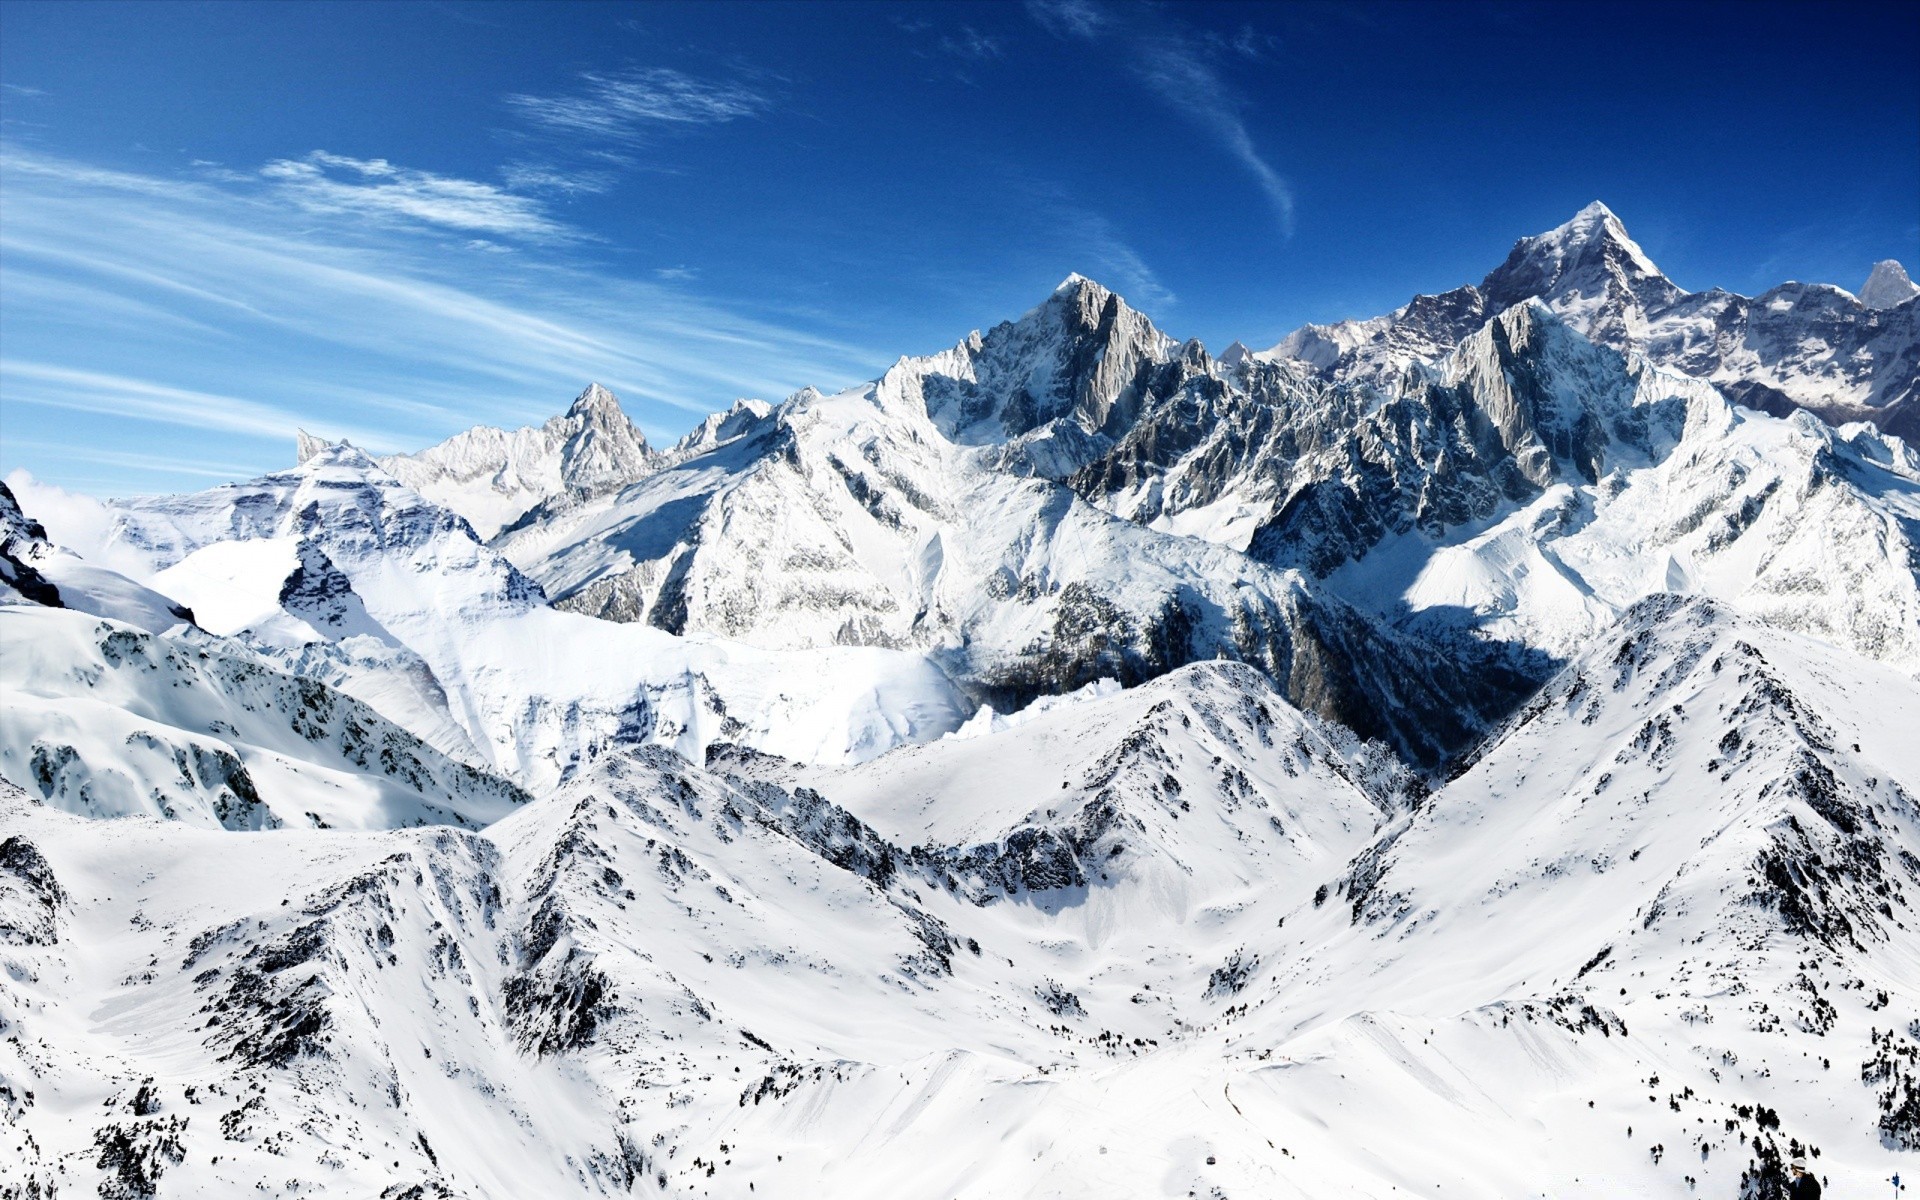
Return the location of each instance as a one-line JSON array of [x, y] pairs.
[[21, 541]]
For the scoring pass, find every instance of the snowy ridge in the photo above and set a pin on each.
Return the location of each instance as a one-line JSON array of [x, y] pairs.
[[106, 720], [493, 476], [1811, 346]]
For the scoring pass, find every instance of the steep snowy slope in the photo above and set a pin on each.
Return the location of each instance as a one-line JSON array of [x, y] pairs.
[[1810, 346], [1574, 971], [1687, 874], [493, 476], [35, 571], [341, 572], [105, 719]]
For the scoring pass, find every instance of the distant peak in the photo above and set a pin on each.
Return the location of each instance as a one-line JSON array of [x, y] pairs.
[[595, 399], [306, 446], [1573, 253], [1888, 286], [1594, 223]]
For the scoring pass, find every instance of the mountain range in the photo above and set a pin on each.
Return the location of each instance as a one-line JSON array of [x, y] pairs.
[[1467, 750]]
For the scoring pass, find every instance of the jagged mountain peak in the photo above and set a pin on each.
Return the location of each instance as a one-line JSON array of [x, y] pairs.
[[595, 401], [493, 477], [306, 445], [1579, 254], [1888, 286]]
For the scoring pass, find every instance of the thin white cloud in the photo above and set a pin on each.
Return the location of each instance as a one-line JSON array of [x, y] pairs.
[[334, 183], [625, 107], [157, 464], [119, 396], [543, 177], [1109, 259], [267, 317], [1175, 64], [970, 44], [1075, 18]]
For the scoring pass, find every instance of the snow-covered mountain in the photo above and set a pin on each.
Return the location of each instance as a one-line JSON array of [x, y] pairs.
[[493, 476], [1202, 941], [1465, 752], [1800, 345], [1887, 286]]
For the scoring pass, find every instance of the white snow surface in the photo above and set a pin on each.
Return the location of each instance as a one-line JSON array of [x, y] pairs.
[[1565, 973]]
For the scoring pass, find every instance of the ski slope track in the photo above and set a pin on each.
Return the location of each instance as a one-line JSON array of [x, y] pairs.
[[1467, 752]]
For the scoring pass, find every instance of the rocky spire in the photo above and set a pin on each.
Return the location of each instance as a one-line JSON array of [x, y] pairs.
[[1888, 286]]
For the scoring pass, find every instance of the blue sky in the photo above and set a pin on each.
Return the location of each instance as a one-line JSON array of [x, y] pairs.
[[393, 221]]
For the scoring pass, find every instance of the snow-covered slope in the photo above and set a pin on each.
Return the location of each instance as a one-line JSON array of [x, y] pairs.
[[34, 570], [493, 476], [1236, 951], [339, 571], [107, 720]]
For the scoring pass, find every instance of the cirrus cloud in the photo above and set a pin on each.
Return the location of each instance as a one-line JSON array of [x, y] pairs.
[[335, 183], [626, 106]]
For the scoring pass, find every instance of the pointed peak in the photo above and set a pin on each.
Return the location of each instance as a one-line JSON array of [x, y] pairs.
[[1087, 292], [595, 399], [1594, 223], [1888, 286], [1578, 254], [306, 446], [335, 454]]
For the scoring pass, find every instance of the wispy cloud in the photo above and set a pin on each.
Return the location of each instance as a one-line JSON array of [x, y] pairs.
[[156, 464], [546, 177], [373, 187], [627, 106], [21, 89], [266, 315], [1178, 66], [119, 396], [1075, 18], [970, 44], [1114, 262]]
